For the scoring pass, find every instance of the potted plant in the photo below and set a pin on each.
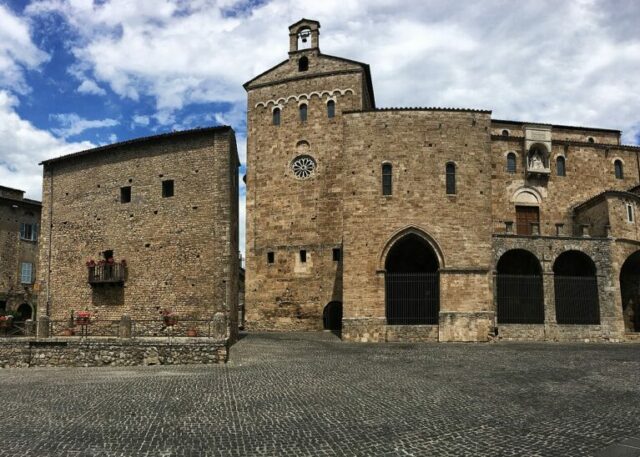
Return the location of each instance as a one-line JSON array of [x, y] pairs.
[[192, 331], [68, 332], [169, 317], [6, 321], [83, 318]]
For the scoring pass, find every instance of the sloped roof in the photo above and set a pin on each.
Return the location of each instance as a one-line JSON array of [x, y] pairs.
[[137, 141]]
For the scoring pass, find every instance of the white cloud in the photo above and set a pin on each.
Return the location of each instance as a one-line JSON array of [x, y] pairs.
[[72, 124], [89, 86], [141, 120], [23, 146], [17, 51]]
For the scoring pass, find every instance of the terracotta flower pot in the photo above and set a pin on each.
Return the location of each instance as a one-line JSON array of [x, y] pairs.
[[192, 332], [68, 332]]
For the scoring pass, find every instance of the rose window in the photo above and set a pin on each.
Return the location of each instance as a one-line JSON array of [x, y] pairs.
[[303, 166]]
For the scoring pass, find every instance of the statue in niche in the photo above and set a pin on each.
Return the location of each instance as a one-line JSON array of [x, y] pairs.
[[535, 160]]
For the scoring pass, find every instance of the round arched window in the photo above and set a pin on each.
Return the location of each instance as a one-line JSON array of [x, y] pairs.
[[303, 166]]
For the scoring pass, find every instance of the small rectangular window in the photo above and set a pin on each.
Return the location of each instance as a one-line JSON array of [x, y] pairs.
[[28, 232], [125, 194], [387, 179], [336, 254], [629, 213], [303, 255], [167, 188], [26, 273], [271, 257]]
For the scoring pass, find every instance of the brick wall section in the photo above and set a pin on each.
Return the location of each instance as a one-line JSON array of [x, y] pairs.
[[14, 209], [285, 214], [181, 251]]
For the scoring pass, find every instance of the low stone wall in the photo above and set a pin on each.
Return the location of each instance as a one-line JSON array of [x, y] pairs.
[[555, 332], [97, 352]]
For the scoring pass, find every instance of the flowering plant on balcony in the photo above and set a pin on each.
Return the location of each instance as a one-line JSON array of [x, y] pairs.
[[5, 321], [83, 318], [91, 263], [169, 317]]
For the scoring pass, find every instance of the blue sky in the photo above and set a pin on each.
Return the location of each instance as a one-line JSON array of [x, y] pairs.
[[80, 73]]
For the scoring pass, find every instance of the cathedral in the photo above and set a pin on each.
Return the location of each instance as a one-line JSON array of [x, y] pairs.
[[430, 224]]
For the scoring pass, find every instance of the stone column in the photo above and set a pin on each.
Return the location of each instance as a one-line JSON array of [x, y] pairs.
[[549, 300], [124, 329], [29, 327], [43, 327]]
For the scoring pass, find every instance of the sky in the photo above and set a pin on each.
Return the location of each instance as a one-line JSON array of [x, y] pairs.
[[80, 73]]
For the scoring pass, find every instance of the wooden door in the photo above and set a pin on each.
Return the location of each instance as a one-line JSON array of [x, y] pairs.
[[525, 216]]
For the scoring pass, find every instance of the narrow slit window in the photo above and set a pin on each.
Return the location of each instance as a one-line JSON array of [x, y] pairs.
[[276, 116], [331, 109], [125, 194], [630, 212], [451, 178], [303, 255], [271, 257], [303, 113], [387, 179], [560, 166], [167, 188], [619, 171], [511, 163], [337, 254]]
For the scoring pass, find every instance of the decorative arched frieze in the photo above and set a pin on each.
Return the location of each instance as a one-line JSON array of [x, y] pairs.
[[306, 96]]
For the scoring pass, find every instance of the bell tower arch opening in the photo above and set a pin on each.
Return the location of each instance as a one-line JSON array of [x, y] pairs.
[[412, 294], [304, 34]]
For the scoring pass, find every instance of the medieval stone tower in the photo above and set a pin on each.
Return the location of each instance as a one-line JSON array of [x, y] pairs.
[[295, 182]]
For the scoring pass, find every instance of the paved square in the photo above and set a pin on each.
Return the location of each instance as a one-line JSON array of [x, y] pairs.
[[311, 394]]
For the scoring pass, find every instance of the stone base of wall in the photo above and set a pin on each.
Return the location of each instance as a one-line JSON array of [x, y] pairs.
[[284, 324], [555, 332], [377, 331], [98, 352], [466, 327]]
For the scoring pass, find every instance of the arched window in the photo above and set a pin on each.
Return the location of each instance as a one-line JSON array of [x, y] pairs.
[[560, 166], [511, 162], [331, 108], [619, 170], [591, 139], [451, 178], [303, 64], [276, 116], [505, 133], [387, 177], [303, 112]]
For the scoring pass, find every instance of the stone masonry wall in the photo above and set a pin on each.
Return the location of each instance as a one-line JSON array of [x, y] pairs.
[[284, 214], [589, 171], [181, 251], [76, 352], [14, 251], [418, 144]]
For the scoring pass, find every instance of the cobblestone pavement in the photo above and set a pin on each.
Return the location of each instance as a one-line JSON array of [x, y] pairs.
[[311, 394]]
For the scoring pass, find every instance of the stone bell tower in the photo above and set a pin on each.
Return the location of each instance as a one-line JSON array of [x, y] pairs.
[[294, 183]]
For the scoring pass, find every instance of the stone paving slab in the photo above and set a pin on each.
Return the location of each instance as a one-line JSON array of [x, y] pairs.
[[312, 394]]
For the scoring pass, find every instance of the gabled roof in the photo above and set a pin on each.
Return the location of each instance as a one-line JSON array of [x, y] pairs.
[[141, 140], [311, 21]]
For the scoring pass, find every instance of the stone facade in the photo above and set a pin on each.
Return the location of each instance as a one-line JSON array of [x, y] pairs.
[[179, 241], [18, 252], [457, 188]]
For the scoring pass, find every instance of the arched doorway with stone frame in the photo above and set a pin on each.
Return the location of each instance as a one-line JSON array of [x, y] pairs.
[[332, 317], [412, 280], [630, 292], [519, 288], [575, 284]]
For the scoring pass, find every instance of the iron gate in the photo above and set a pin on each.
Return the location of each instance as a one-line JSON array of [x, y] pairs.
[[520, 299], [577, 300], [412, 298]]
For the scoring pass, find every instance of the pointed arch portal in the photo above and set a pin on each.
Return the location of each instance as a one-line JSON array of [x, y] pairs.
[[412, 293]]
